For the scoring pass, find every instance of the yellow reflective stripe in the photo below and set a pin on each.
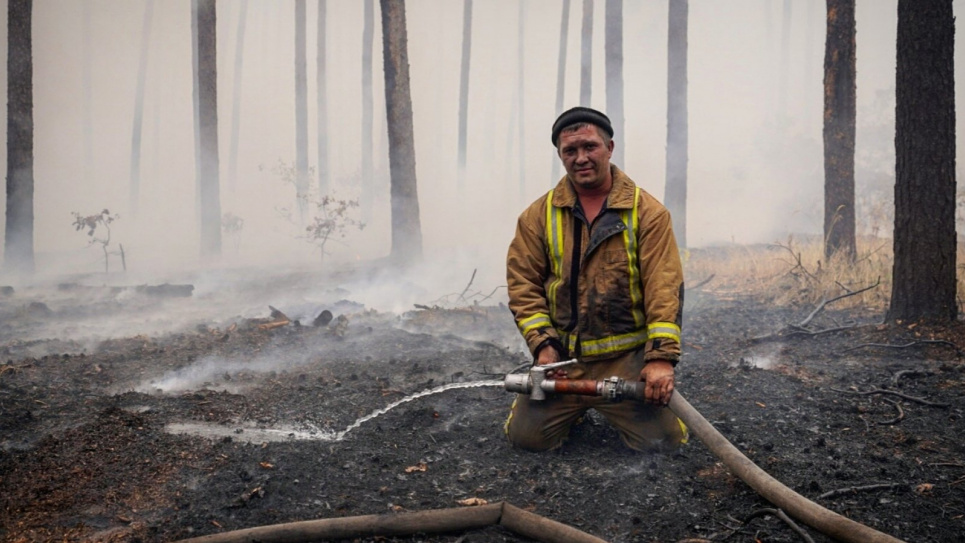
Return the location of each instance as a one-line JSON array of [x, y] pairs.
[[512, 410], [613, 344], [632, 224], [539, 320], [664, 330], [554, 237], [685, 432]]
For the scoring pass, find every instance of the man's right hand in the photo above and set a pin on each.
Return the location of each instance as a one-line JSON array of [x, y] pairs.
[[548, 355]]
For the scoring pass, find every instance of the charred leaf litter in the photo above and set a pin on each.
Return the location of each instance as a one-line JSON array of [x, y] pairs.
[[93, 450]]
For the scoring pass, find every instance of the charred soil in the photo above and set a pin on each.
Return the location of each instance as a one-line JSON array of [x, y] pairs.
[[231, 425]]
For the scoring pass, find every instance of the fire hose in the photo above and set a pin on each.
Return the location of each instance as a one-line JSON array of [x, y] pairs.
[[536, 384]]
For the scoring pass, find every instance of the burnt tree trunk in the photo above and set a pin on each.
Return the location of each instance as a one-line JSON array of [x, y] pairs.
[[924, 245], [464, 88], [614, 74], [207, 106], [236, 97], [839, 130], [18, 239], [404, 194], [586, 55], [324, 171], [137, 128], [561, 79], [301, 110], [675, 191], [368, 37]]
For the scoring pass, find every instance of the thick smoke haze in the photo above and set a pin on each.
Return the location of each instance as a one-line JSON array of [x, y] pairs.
[[755, 100]]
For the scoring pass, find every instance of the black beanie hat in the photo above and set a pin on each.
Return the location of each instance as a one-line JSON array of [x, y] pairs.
[[581, 115]]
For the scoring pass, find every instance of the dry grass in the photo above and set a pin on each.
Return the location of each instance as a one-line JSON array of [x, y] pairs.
[[794, 273]]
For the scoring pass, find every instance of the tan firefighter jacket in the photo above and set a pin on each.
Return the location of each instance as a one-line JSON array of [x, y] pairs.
[[600, 293]]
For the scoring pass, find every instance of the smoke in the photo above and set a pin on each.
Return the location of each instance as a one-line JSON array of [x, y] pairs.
[[218, 373], [755, 171]]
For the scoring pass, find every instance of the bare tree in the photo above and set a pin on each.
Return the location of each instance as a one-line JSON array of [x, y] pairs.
[[561, 77], [924, 244], [324, 171], [139, 107], [207, 108], [675, 192], [614, 74], [586, 56], [464, 87], [236, 95], [839, 129], [301, 109], [19, 234], [404, 194]]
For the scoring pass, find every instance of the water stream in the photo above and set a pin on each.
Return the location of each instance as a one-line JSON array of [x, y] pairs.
[[255, 434]]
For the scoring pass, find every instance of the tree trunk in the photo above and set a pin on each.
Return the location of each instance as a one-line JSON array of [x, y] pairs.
[[208, 117], [925, 245], [195, 97], [406, 229], [561, 78], [301, 110], [236, 96], [586, 57], [324, 171], [19, 235], [464, 88], [139, 108], [368, 37], [614, 75], [675, 192], [87, 122], [839, 130]]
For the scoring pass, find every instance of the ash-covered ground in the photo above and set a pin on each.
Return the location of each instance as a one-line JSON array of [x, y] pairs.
[[147, 415]]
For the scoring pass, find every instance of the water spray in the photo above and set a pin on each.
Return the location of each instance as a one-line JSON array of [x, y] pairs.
[[537, 386]]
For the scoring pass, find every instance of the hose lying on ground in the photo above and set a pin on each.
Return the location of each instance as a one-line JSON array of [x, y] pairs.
[[820, 518], [402, 524]]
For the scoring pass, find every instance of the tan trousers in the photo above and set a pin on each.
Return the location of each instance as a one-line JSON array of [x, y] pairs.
[[544, 425]]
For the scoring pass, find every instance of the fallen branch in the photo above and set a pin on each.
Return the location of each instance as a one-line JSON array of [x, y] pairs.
[[875, 390], [272, 325], [825, 303], [702, 283], [783, 516], [798, 332], [906, 345], [899, 374], [794, 330], [897, 419], [856, 489]]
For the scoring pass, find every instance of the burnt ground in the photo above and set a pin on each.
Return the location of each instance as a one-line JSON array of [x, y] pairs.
[[87, 451]]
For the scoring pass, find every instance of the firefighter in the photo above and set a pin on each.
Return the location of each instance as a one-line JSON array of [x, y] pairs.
[[594, 274]]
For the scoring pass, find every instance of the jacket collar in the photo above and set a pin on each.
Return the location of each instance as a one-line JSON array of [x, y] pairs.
[[621, 196]]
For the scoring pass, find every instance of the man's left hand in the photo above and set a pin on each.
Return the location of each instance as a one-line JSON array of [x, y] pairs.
[[659, 378]]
